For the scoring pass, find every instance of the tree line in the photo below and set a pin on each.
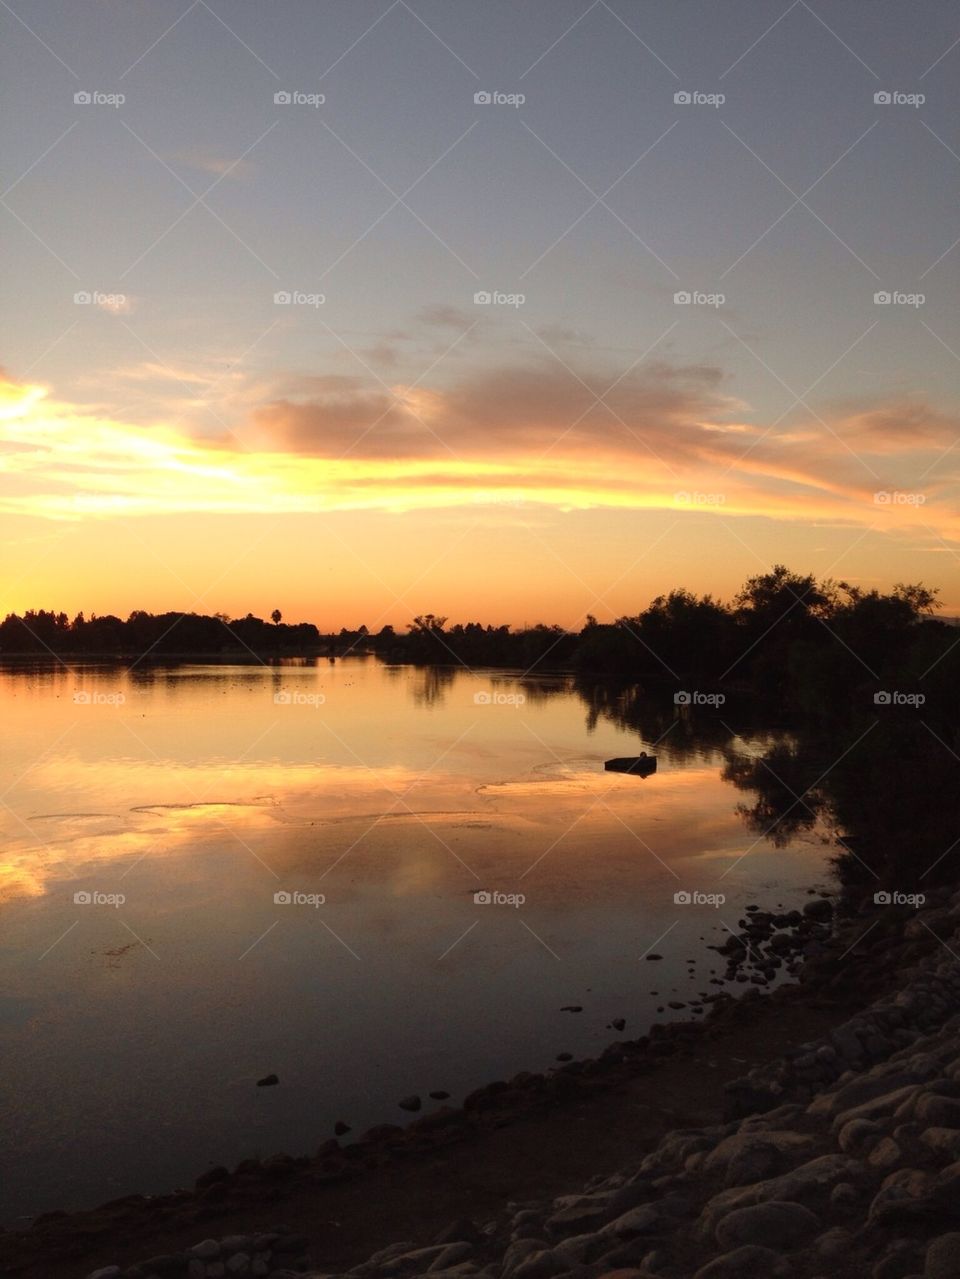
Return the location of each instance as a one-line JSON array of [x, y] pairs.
[[800, 641]]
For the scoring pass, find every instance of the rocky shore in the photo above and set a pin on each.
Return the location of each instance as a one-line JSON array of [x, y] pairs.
[[839, 1156]]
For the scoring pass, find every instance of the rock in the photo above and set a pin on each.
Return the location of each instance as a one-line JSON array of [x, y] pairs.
[[211, 1177], [899, 1260], [858, 1136], [267, 1081], [439, 1095], [410, 1103], [518, 1251], [739, 1142], [340, 1128], [886, 1155], [106, 1272], [833, 1244], [876, 1107], [169, 1264], [238, 1264], [581, 1213], [819, 909], [752, 1164], [943, 1257], [775, 1224], [207, 1250], [572, 1008], [619, 1023], [749, 1262], [643, 1220], [461, 1230], [844, 1197], [540, 1265], [234, 1243], [944, 1141], [941, 1112], [625, 1272], [453, 1255], [654, 957]]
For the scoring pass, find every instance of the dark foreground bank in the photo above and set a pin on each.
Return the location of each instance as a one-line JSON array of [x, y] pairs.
[[872, 988]]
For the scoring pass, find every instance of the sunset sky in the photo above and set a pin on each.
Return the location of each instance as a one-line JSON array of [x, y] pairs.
[[380, 443]]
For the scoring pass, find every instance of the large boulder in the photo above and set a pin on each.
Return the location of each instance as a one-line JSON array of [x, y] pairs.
[[775, 1224]]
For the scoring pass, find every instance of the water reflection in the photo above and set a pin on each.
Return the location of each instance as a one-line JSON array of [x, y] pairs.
[[197, 793]]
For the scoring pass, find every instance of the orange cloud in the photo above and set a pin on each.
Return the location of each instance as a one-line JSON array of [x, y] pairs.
[[662, 437]]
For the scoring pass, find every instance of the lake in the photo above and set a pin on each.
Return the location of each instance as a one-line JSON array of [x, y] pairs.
[[210, 873]]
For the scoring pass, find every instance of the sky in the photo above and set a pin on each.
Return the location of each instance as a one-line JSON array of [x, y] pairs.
[[506, 311]]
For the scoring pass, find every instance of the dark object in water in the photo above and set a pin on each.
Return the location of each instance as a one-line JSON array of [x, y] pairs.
[[641, 764], [267, 1081]]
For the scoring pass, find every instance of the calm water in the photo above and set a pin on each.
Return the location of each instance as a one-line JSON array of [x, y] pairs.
[[133, 1031]]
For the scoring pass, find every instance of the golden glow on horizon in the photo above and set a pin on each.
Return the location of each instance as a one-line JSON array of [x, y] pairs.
[[155, 517]]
